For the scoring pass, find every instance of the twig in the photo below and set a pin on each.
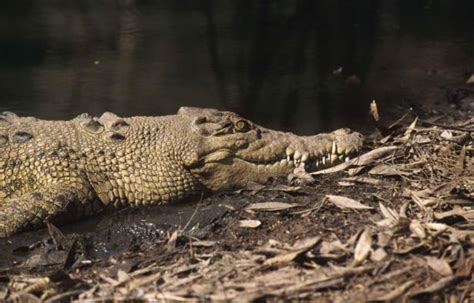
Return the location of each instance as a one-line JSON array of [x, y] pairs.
[[63, 295], [446, 126], [194, 213]]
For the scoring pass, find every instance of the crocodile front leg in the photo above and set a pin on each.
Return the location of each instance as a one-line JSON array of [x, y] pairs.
[[54, 203]]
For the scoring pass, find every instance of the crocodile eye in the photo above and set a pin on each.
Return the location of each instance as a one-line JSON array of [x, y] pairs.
[[242, 126]]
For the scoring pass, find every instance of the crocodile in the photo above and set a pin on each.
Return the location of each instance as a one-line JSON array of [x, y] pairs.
[[60, 171]]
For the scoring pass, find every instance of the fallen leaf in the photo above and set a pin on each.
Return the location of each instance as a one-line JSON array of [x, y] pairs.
[[387, 170], [439, 265], [300, 176], [465, 268], [373, 112], [331, 247], [270, 206], [395, 293], [446, 134], [435, 287], [300, 247], [204, 243], [422, 203], [345, 183], [346, 203], [417, 229], [437, 228], [284, 188], [306, 243], [457, 211], [363, 247], [363, 180], [354, 171], [409, 130], [59, 240], [391, 218], [250, 223], [171, 243], [470, 80], [378, 255], [122, 276]]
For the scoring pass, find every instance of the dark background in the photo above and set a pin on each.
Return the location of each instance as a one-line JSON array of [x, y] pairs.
[[303, 65]]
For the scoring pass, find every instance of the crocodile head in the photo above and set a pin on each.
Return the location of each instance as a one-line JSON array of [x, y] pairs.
[[231, 150]]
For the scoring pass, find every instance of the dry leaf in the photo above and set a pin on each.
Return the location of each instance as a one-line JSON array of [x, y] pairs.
[[346, 203], [354, 171], [204, 243], [435, 287], [250, 223], [270, 206], [470, 80], [282, 187], [391, 218], [378, 255], [306, 243], [409, 130], [300, 247], [394, 294], [387, 170], [363, 247], [373, 112], [331, 247], [437, 227], [345, 183], [417, 229], [373, 155], [465, 268], [457, 211], [439, 265], [300, 176], [171, 244], [364, 180], [122, 276], [422, 203]]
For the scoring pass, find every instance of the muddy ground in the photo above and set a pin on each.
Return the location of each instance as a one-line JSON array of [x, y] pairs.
[[396, 223]]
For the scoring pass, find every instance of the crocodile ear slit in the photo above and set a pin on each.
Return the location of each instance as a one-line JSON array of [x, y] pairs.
[[21, 137]]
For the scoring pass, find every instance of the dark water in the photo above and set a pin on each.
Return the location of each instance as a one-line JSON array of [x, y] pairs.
[[304, 66], [300, 65]]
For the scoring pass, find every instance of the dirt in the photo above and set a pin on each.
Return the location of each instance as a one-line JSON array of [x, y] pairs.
[[396, 224]]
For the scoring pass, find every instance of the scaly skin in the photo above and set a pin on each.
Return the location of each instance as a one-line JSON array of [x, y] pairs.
[[62, 170]]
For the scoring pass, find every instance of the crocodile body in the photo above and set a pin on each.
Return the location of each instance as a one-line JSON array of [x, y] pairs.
[[59, 171]]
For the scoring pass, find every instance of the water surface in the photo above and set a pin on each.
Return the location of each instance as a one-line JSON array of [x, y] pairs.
[[303, 66]]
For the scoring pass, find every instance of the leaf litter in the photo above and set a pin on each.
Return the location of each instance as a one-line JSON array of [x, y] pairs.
[[394, 224]]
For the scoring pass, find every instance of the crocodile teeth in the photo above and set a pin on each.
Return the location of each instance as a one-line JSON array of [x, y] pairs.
[[297, 155], [324, 160], [304, 157], [347, 159], [334, 148], [297, 158]]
